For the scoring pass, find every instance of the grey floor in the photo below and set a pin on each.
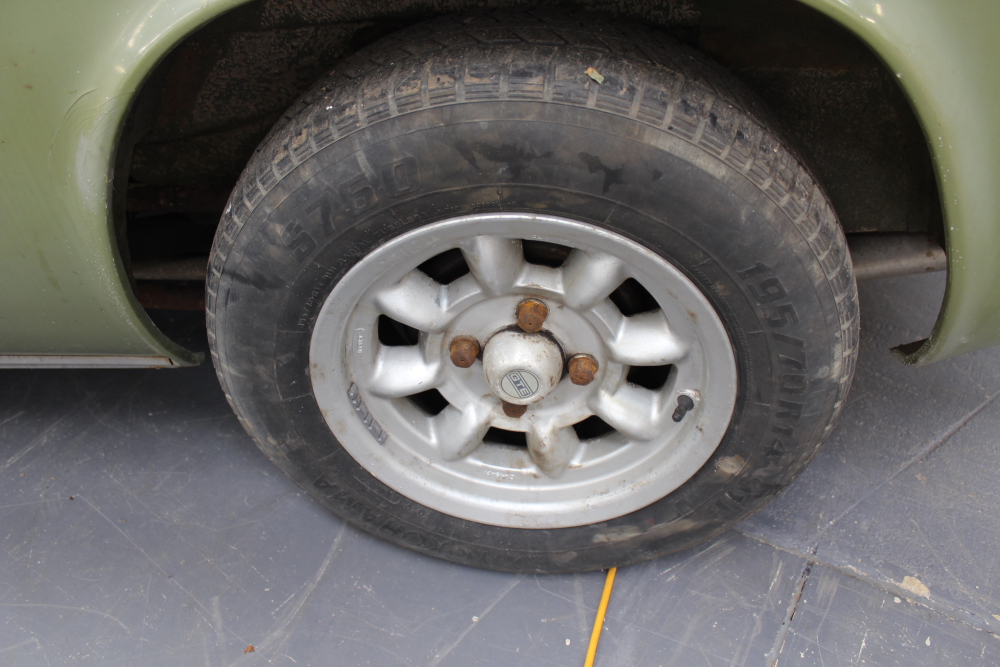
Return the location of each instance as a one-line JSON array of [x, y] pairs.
[[140, 526]]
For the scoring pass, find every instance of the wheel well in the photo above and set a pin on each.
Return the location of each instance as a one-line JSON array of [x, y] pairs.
[[209, 103]]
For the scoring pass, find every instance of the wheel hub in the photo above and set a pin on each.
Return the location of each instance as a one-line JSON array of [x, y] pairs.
[[522, 368]]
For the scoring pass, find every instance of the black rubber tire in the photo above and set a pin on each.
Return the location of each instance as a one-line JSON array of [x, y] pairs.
[[498, 111]]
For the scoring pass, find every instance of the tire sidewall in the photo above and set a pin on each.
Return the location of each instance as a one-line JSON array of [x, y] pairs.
[[736, 244]]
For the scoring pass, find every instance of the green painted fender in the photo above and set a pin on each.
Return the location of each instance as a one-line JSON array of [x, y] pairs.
[[69, 71], [946, 55]]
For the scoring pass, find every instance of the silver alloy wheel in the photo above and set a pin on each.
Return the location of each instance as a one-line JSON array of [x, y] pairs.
[[369, 391]]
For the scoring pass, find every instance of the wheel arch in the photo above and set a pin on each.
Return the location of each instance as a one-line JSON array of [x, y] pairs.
[[71, 73], [943, 54], [892, 31]]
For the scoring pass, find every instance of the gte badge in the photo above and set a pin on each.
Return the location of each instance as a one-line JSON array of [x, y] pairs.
[[520, 384]]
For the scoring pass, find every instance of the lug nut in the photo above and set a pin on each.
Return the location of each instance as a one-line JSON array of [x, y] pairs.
[[531, 314], [582, 368], [513, 410], [464, 350]]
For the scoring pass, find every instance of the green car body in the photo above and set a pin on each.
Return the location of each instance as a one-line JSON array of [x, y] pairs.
[[70, 71]]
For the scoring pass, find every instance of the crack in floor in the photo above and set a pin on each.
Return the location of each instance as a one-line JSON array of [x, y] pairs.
[[957, 614], [793, 605]]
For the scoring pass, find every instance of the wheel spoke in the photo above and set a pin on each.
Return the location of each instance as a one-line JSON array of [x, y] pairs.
[[589, 277], [552, 448], [418, 301], [458, 432], [402, 370], [646, 340], [494, 261], [634, 411]]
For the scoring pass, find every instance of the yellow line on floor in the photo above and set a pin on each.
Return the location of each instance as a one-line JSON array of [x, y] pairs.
[[602, 609]]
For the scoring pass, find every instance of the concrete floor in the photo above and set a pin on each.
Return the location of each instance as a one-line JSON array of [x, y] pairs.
[[140, 526]]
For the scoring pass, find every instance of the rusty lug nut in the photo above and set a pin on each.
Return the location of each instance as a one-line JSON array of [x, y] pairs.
[[513, 410], [464, 350], [684, 405], [582, 368], [531, 314]]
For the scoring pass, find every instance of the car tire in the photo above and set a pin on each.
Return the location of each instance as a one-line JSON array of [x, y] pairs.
[[442, 175]]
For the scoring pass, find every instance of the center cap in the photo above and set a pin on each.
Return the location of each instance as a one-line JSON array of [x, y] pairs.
[[522, 368]]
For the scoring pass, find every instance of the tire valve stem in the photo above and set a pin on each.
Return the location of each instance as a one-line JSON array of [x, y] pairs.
[[684, 404]]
